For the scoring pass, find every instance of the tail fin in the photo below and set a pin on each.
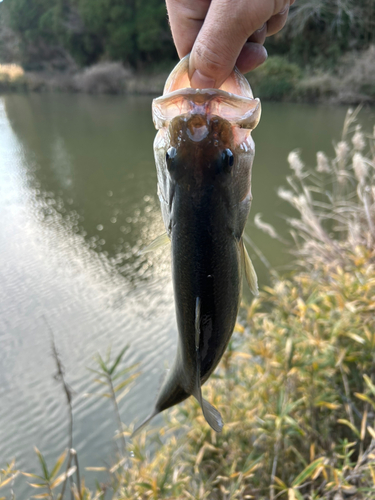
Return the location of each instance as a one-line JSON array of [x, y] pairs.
[[140, 427], [210, 413]]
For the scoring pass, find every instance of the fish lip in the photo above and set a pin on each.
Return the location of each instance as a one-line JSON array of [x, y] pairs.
[[242, 111], [211, 93]]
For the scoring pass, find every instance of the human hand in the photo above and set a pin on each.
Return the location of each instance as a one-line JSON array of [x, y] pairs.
[[223, 33]]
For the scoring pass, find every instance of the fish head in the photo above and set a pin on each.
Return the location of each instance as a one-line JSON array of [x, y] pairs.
[[204, 136], [200, 150]]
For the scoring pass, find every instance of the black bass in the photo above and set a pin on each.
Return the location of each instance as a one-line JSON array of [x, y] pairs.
[[204, 154]]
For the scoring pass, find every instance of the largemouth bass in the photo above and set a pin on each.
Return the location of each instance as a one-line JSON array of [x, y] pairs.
[[204, 154]]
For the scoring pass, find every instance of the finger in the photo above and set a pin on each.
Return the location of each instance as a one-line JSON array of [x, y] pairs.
[[277, 22], [227, 26], [259, 36], [186, 18], [251, 56]]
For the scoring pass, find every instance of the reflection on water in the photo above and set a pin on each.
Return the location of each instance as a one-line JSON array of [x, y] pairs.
[[77, 202]]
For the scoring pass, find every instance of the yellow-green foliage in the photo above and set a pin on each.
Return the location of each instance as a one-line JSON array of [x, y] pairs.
[[296, 394]]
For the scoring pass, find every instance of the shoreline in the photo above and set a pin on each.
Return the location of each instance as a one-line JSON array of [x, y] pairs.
[[276, 80]]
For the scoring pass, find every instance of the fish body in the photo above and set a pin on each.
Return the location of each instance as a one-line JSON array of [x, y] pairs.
[[204, 153]]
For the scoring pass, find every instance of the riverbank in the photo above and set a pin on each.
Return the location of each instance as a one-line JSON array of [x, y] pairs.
[[352, 82]]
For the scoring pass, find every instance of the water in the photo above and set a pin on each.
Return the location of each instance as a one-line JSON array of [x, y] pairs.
[[77, 202]]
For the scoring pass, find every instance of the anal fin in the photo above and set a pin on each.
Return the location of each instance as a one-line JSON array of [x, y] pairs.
[[210, 413]]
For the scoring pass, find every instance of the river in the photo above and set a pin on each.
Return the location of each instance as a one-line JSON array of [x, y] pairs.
[[77, 202]]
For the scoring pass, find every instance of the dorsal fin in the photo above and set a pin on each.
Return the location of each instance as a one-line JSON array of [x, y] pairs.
[[250, 274], [210, 413]]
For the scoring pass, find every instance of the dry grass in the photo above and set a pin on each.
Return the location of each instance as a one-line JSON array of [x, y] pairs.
[[352, 83], [12, 76]]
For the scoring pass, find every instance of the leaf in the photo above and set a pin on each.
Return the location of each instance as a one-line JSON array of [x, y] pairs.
[[92, 370], [350, 425], [369, 384], [355, 337], [63, 476], [125, 370], [371, 431], [145, 485], [58, 464], [103, 366], [366, 398], [307, 472], [280, 483], [42, 463], [6, 481], [122, 395], [326, 404], [118, 359], [41, 495], [126, 382], [35, 476], [34, 485]]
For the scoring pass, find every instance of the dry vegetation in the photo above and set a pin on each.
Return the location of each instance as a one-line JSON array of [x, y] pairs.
[[101, 78], [352, 82], [296, 387]]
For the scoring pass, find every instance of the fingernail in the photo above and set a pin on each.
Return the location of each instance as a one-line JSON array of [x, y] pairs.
[[199, 81]]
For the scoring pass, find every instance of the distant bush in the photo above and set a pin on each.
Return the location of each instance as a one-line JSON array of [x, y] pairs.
[[357, 76], [319, 32], [276, 79], [353, 81], [102, 78]]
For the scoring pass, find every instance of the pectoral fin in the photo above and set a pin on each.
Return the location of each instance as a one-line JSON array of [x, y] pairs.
[[158, 242], [250, 273], [210, 413]]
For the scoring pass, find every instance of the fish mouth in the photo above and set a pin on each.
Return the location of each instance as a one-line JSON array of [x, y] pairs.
[[233, 101]]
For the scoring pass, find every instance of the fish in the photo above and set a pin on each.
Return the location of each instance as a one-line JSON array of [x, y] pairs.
[[203, 153]]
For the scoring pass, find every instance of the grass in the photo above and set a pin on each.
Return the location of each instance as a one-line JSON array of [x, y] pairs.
[[296, 387]]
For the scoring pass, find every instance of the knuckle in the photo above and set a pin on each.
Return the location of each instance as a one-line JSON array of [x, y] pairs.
[[213, 60]]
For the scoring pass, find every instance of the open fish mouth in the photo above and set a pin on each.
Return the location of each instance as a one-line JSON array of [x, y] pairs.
[[233, 101]]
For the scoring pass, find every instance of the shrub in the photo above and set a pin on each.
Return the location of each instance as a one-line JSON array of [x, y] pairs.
[[275, 79], [102, 78], [357, 76]]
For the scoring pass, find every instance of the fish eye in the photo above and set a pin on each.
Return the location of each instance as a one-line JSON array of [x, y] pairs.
[[227, 159], [170, 156], [171, 153]]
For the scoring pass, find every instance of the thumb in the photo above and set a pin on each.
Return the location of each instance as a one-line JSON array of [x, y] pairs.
[[225, 30]]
